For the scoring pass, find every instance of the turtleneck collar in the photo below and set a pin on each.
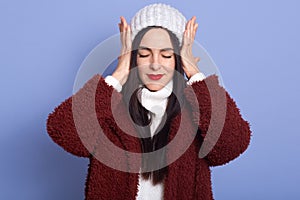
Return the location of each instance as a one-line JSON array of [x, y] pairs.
[[156, 101]]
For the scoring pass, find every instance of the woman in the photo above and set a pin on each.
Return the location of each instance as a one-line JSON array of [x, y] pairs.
[[152, 103]]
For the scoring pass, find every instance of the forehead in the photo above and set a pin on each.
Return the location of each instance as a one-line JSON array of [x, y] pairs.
[[156, 38]]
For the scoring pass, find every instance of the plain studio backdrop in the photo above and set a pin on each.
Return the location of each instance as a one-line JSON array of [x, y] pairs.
[[255, 45]]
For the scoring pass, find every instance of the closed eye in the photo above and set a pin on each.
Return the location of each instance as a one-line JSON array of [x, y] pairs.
[[167, 56], [143, 55]]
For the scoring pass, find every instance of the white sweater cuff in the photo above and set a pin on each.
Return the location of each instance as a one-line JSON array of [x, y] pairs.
[[111, 81], [196, 77]]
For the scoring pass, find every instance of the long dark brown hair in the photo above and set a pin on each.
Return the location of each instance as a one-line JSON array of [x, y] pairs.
[[140, 115]]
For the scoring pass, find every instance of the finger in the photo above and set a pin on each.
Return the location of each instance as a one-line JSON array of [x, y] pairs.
[[188, 32], [120, 27], [123, 37], [193, 21], [196, 27], [124, 21], [191, 29], [195, 30], [122, 24], [197, 59], [128, 38], [192, 26], [186, 25], [185, 39], [123, 31]]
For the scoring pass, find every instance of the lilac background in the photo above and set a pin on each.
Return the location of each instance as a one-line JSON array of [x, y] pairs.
[[254, 43]]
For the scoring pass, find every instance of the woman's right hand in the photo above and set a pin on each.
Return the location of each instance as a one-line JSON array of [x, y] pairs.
[[122, 70]]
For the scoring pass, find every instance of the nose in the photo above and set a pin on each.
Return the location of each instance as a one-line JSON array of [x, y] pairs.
[[154, 63]]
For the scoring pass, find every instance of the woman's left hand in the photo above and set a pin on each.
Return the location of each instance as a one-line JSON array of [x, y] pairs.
[[189, 62]]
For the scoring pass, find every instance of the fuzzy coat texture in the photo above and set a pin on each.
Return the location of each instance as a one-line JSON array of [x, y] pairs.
[[188, 178]]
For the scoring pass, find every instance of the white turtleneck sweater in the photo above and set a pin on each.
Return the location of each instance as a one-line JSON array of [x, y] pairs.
[[155, 102]]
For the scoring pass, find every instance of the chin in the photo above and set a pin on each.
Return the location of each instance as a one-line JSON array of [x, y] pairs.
[[154, 87]]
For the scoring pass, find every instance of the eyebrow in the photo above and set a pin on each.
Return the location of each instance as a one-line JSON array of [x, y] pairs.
[[147, 48]]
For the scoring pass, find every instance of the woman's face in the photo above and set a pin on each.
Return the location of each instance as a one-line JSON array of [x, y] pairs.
[[156, 59]]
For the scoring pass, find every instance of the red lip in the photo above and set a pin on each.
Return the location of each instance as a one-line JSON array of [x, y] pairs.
[[155, 77]]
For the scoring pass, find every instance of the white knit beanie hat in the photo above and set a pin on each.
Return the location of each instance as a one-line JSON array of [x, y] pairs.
[[159, 14]]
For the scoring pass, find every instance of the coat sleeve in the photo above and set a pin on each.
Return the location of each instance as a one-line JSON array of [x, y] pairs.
[[73, 124], [225, 133]]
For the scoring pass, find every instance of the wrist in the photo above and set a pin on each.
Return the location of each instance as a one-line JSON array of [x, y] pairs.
[[112, 81], [196, 77], [191, 71], [120, 76]]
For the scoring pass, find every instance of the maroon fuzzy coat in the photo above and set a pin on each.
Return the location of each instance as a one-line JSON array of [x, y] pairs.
[[188, 177]]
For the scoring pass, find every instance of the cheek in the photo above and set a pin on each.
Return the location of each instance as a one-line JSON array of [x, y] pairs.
[[141, 73], [142, 62], [170, 74], [169, 65], [170, 69], [141, 69]]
